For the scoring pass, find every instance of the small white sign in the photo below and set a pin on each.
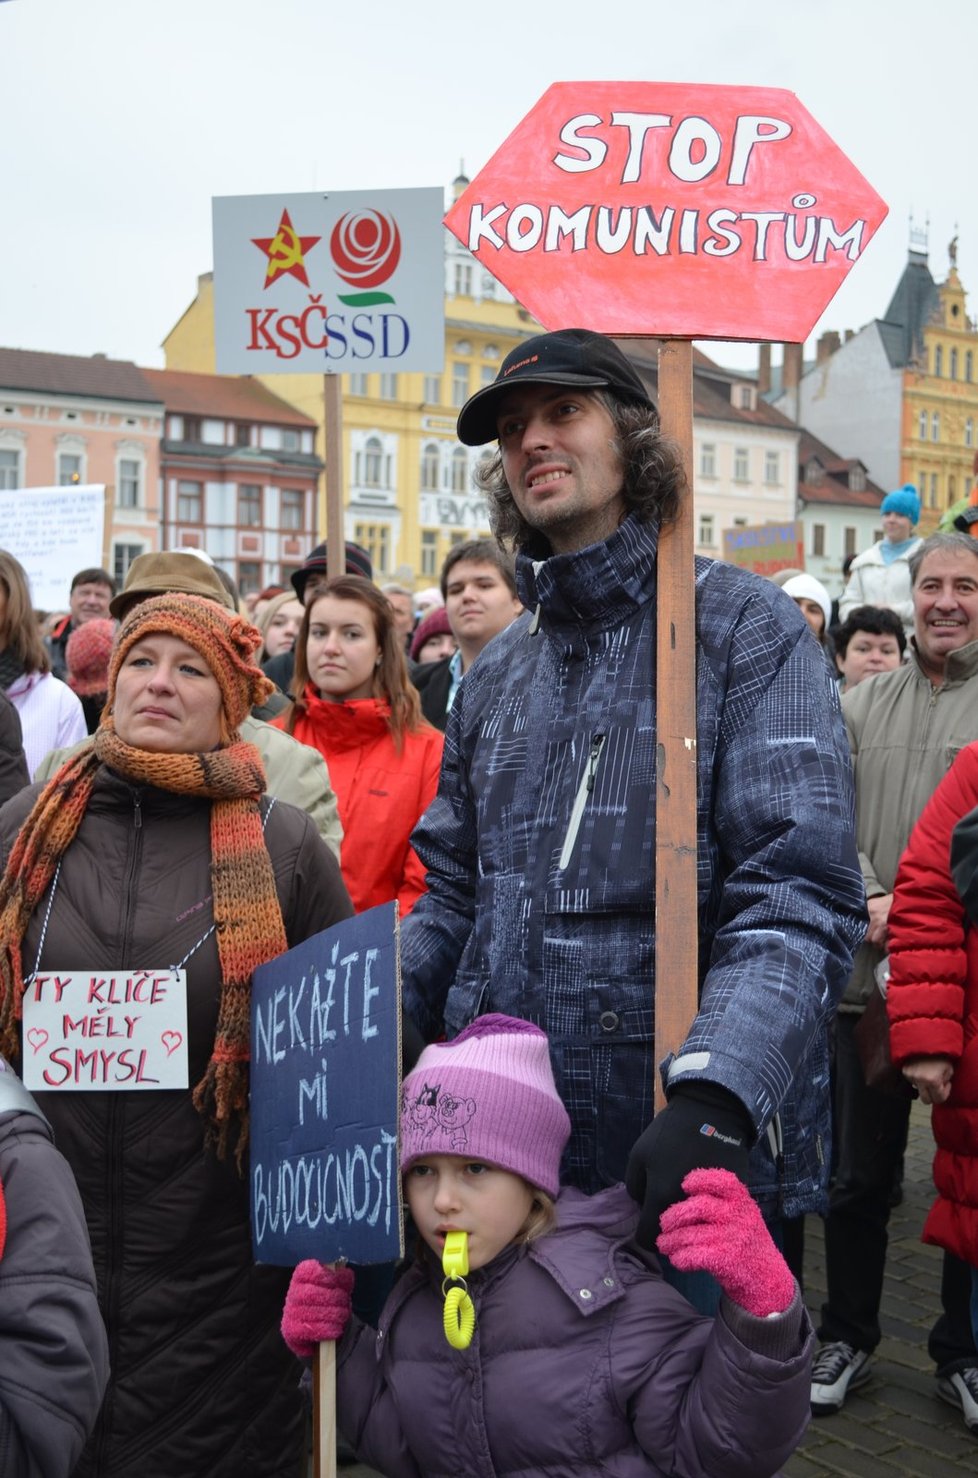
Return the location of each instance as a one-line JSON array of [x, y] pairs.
[[54, 532], [87, 1031], [329, 283]]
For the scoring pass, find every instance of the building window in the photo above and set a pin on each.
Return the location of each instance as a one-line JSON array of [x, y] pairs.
[[249, 576], [933, 490], [463, 279], [357, 384], [249, 506], [429, 552], [950, 491], [953, 364], [242, 434], [706, 531], [375, 539], [291, 439], [69, 469], [460, 383], [9, 469], [969, 432], [490, 287], [129, 485], [935, 427], [741, 464], [429, 468], [190, 502], [293, 508], [708, 460], [373, 463], [938, 361], [388, 386], [192, 429], [969, 363], [432, 389], [849, 541], [122, 557], [488, 374], [922, 484], [460, 470], [772, 467], [857, 480], [818, 540], [922, 425]]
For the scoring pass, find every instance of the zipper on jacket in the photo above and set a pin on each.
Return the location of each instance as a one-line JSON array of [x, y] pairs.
[[580, 800]]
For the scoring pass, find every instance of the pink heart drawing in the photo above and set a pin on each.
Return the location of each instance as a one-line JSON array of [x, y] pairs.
[[37, 1036], [171, 1041]]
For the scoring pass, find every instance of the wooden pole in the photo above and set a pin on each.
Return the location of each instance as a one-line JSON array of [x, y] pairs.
[[324, 1410], [676, 925], [333, 532]]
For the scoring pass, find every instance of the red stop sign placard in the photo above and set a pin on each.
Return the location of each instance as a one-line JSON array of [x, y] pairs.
[[670, 209]]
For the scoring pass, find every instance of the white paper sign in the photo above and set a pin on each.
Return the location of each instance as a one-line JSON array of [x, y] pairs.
[[54, 532], [329, 283], [87, 1031]]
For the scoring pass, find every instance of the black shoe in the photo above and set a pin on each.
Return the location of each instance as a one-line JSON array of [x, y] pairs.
[[838, 1369], [961, 1390]]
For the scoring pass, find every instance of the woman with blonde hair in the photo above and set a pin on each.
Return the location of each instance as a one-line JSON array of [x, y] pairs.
[[354, 702], [156, 846], [51, 716]]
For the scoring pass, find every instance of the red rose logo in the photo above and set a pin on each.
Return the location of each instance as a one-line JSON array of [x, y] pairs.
[[366, 248]]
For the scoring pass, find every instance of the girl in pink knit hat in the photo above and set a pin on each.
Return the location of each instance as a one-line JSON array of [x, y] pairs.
[[532, 1336]]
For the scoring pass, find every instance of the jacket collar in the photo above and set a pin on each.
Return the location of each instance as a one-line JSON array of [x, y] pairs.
[[959, 667], [347, 725], [599, 587]]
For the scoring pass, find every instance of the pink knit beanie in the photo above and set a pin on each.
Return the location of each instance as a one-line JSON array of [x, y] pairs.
[[488, 1095]]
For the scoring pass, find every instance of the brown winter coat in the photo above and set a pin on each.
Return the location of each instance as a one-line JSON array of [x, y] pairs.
[[202, 1385]]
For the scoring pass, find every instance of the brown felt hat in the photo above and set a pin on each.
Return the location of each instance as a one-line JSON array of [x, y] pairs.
[[172, 571]]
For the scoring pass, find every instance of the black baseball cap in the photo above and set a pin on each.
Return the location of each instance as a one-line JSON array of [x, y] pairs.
[[357, 562], [571, 356]]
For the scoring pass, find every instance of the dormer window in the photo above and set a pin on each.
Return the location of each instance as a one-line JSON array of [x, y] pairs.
[[745, 397], [814, 472], [857, 480]]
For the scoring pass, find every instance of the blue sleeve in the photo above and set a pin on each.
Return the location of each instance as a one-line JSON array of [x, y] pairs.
[[791, 909], [437, 929]]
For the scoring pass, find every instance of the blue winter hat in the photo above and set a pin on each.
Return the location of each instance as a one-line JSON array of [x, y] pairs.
[[904, 501]]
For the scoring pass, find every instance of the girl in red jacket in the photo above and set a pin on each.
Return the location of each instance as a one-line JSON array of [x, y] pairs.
[[354, 702]]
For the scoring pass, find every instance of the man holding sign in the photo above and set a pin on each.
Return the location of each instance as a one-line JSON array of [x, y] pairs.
[[540, 845]]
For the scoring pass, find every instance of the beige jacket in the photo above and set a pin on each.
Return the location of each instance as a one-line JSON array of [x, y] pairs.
[[295, 773], [904, 734]]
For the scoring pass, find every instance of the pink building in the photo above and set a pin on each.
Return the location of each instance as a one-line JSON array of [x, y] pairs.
[[65, 419], [239, 474]]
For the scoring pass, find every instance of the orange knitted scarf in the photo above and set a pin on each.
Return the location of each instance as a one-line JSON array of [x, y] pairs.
[[247, 915]]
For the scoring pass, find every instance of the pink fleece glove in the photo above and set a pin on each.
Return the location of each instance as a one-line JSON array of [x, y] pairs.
[[317, 1306], [719, 1229]]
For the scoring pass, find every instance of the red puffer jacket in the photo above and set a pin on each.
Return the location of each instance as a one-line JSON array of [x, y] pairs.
[[381, 794], [933, 999]]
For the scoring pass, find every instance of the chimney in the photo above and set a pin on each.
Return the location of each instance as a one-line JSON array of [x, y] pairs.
[[764, 369], [791, 366], [826, 346]]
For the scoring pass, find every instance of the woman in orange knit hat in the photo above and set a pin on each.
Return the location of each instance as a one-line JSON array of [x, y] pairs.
[[353, 702], [156, 846]]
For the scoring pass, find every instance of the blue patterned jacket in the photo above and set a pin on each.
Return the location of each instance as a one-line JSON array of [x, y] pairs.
[[540, 848]]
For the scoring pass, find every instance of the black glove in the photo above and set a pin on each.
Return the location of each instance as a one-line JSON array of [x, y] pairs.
[[703, 1126]]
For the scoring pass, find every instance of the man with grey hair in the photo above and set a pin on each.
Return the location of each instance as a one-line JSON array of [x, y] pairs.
[[540, 845], [905, 728]]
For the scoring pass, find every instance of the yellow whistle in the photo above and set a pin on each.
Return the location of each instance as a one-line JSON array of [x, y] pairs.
[[459, 1314]]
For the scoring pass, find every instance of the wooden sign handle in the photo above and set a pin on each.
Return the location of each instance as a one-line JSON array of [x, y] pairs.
[[324, 1410], [676, 925], [333, 529]]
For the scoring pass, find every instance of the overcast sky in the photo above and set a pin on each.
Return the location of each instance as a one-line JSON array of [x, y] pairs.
[[121, 119]]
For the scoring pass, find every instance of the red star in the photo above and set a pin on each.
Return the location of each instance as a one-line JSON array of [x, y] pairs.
[[285, 252]]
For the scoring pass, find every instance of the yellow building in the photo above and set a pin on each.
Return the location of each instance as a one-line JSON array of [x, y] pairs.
[[408, 488], [940, 402]]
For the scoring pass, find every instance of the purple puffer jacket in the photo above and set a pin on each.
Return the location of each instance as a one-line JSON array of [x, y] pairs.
[[583, 1361]]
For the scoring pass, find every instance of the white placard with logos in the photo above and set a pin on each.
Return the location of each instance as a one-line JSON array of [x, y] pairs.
[[331, 283], [99, 1030], [54, 533]]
